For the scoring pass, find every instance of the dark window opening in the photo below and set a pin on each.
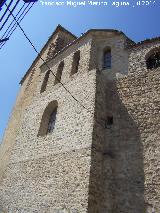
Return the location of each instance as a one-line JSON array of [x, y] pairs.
[[109, 122], [75, 64], [52, 121], [59, 73], [48, 120], [153, 61], [107, 59], [45, 81]]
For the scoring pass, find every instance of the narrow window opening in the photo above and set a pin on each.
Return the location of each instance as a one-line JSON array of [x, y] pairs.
[[109, 122], [75, 64], [59, 73], [153, 61], [45, 81], [107, 59], [48, 120], [52, 121]]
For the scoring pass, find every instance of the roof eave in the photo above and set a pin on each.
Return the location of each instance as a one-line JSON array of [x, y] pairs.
[[84, 35], [58, 28]]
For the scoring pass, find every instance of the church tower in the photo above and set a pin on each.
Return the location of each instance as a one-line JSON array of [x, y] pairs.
[[80, 138]]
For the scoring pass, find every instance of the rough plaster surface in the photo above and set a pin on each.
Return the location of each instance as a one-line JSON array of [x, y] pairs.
[[83, 166]]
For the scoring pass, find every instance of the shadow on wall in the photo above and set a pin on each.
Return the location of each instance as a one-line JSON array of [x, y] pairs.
[[117, 168]]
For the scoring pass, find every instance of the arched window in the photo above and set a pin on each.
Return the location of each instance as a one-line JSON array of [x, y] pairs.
[[107, 58], [153, 61], [45, 81], [75, 63], [48, 119], [59, 73]]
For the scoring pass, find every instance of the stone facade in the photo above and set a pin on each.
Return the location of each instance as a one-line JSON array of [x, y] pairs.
[[103, 154], [125, 158]]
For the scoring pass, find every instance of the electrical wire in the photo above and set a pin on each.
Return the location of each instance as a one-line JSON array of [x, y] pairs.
[[15, 24], [57, 77], [6, 10], [45, 61], [13, 21], [9, 13], [39, 55], [24, 14]]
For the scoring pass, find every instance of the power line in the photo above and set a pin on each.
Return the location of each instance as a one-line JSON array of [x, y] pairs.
[[13, 20], [45, 61], [22, 16], [6, 10], [55, 75], [39, 55], [13, 28], [9, 13], [10, 25]]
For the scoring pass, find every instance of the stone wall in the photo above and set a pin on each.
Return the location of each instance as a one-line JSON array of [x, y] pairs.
[[50, 173], [125, 157], [25, 97], [14, 124], [119, 54], [138, 54], [62, 39], [86, 165]]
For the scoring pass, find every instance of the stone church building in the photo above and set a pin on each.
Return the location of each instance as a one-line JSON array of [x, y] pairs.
[[84, 134]]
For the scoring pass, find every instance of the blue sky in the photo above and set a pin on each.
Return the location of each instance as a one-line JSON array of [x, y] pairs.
[[16, 56]]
